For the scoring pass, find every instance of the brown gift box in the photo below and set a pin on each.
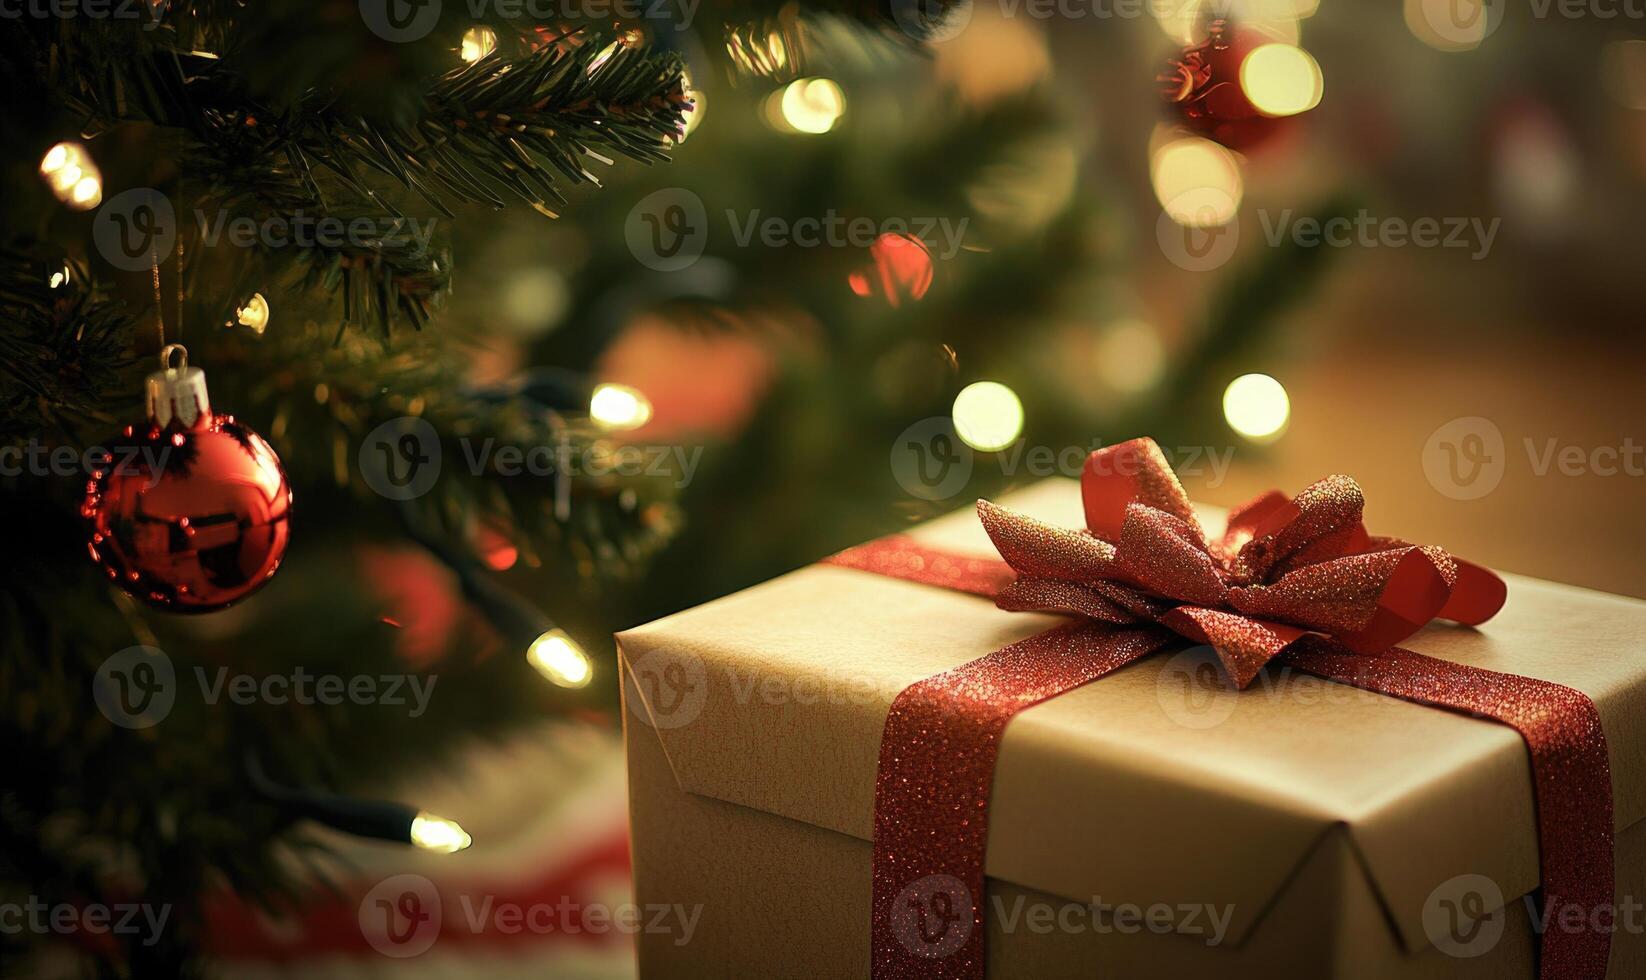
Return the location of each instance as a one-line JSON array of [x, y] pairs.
[[1149, 824]]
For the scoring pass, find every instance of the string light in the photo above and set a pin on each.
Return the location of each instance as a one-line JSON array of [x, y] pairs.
[[614, 406], [59, 278], [1257, 407], [809, 105], [477, 43], [987, 416], [255, 314], [73, 177], [1281, 79], [558, 658], [438, 834]]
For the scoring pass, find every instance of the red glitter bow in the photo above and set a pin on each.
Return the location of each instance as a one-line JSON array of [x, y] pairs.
[[1298, 579], [1284, 568]]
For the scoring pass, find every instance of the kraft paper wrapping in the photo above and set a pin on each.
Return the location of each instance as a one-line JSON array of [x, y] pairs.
[[754, 727]]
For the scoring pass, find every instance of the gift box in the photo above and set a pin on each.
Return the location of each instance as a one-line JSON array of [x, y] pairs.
[[1152, 823]]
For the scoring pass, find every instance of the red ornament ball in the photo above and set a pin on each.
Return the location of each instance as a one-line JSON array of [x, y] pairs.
[[190, 511], [1201, 87], [899, 270]]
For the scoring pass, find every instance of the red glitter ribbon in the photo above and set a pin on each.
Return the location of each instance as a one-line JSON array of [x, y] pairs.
[[1296, 579]]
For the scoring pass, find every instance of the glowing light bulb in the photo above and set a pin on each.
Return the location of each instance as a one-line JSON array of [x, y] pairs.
[[86, 193], [1281, 79], [558, 658], [1197, 182], [73, 177], [57, 158], [438, 834], [59, 278], [477, 43], [812, 105], [987, 416], [619, 407], [1257, 407], [255, 314]]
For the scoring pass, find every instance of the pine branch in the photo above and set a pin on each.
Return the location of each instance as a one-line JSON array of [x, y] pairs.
[[500, 129], [65, 347]]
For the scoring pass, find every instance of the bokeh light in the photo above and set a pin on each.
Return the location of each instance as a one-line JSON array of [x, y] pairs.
[[756, 51], [73, 177], [900, 269], [810, 105], [255, 314], [1130, 357], [615, 406], [987, 416], [477, 43], [1281, 79], [1185, 21], [1197, 182], [1257, 407], [1623, 72], [1451, 25], [693, 117]]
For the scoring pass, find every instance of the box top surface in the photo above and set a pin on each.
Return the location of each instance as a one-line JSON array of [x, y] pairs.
[[1154, 784]]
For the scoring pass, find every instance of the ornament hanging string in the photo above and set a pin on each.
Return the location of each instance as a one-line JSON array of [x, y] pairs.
[[160, 309]]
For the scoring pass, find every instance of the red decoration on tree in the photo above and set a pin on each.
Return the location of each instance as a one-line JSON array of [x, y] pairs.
[[190, 511], [1202, 90], [901, 270]]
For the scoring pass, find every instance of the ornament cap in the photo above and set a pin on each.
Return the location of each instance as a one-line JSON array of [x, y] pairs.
[[177, 392]]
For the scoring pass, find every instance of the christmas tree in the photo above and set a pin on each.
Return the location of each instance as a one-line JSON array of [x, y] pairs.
[[503, 295]]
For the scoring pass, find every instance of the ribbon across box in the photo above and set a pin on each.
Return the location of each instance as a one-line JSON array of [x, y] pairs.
[[1151, 823]]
